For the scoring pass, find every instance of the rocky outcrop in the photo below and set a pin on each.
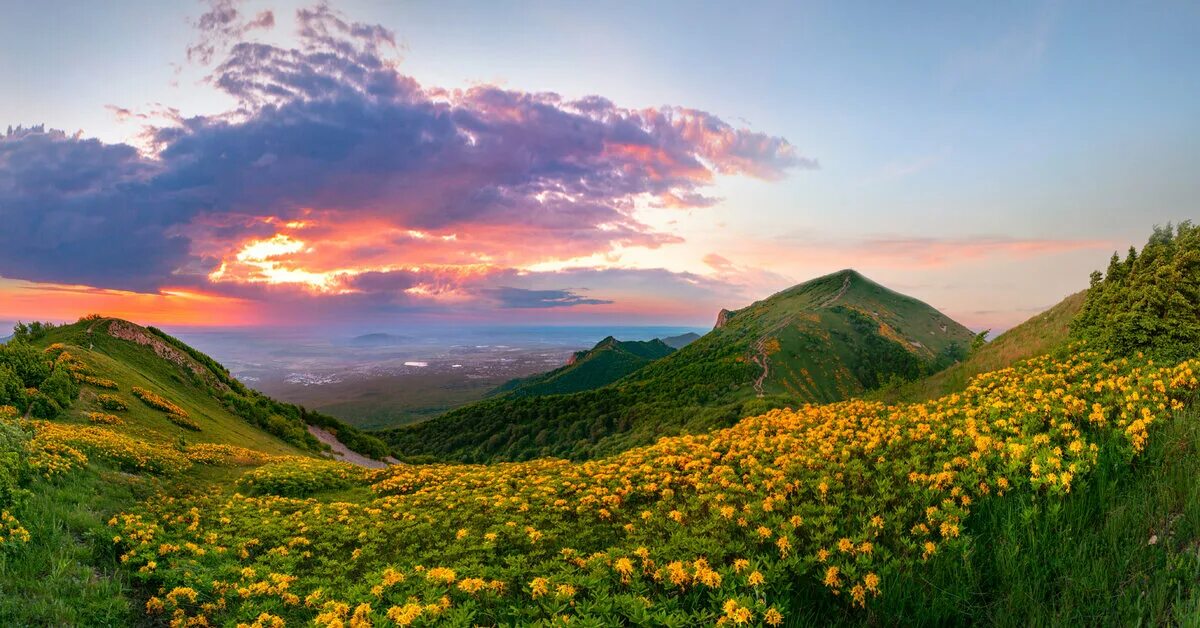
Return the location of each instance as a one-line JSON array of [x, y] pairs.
[[723, 318], [138, 335]]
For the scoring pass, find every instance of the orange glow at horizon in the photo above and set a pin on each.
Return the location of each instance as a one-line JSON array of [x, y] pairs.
[[22, 300]]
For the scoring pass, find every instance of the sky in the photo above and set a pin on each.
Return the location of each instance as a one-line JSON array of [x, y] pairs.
[[288, 163]]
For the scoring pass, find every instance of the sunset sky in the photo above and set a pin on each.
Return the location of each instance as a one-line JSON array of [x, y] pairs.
[[257, 162]]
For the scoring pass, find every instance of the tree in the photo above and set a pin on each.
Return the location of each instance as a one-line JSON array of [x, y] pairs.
[[60, 387], [978, 342], [1150, 301], [26, 361], [12, 389]]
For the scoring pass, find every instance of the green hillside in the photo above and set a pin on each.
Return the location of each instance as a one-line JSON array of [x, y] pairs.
[[603, 364], [123, 356], [1036, 336], [824, 340], [98, 416]]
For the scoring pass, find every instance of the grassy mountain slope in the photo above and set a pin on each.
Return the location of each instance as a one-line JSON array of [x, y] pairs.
[[1036, 336], [225, 411], [827, 339], [603, 364], [837, 335]]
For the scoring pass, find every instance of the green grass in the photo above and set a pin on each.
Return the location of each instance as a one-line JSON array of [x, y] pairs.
[[68, 574], [1085, 560]]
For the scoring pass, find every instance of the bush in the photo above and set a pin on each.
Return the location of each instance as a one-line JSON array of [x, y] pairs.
[[158, 403], [299, 477], [41, 406], [14, 463], [60, 387], [104, 419], [112, 403], [12, 389], [183, 421], [29, 364]]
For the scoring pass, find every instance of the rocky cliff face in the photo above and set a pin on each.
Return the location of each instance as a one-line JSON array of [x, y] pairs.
[[723, 318]]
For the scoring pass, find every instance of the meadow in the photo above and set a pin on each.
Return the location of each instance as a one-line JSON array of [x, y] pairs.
[[855, 510]]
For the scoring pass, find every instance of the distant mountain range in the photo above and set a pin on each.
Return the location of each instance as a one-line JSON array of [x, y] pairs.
[[823, 340]]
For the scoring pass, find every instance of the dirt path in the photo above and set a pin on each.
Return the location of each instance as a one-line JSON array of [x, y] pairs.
[[834, 299], [343, 453], [760, 358]]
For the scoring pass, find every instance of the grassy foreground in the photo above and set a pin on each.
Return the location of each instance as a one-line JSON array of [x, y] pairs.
[[68, 573], [1123, 549], [1085, 560]]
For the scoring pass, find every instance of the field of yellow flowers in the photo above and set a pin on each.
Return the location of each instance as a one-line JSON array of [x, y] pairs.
[[726, 527]]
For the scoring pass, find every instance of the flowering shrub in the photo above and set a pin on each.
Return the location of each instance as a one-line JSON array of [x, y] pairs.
[[57, 448], [14, 467], [158, 403], [98, 382], [226, 455], [112, 403], [103, 418], [11, 530], [717, 528], [298, 476], [183, 421]]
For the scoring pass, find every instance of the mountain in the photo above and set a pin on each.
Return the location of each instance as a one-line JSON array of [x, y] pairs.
[[607, 362], [826, 339], [114, 358], [838, 335], [680, 341]]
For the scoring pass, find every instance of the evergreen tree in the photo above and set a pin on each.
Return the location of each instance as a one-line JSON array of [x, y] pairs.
[[1150, 301]]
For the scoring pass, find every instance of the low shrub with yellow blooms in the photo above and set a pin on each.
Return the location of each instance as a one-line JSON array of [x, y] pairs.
[[226, 455], [183, 421], [11, 531], [98, 382], [157, 402], [112, 403], [103, 418], [58, 448], [717, 528], [297, 476]]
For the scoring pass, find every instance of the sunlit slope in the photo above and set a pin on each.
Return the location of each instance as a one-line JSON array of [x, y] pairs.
[[1036, 336], [603, 364], [130, 365], [824, 340], [137, 374]]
